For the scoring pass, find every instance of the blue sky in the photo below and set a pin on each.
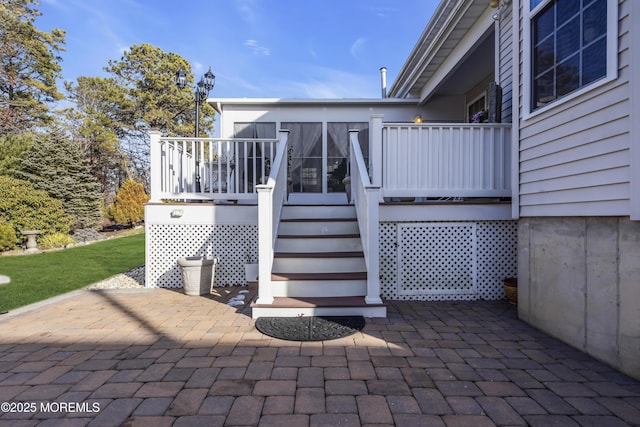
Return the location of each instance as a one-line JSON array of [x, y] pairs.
[[256, 48]]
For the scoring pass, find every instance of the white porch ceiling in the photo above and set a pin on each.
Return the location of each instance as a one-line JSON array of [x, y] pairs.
[[443, 35]]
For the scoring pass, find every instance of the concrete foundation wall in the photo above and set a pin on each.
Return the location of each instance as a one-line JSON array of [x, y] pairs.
[[579, 280]]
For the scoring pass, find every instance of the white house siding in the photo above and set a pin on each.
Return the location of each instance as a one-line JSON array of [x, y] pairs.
[[504, 66], [575, 157]]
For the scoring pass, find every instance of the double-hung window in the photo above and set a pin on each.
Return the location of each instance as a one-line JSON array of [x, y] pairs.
[[572, 44]]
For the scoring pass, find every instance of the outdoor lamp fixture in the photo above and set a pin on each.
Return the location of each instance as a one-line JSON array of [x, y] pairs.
[[417, 119], [500, 5], [201, 92]]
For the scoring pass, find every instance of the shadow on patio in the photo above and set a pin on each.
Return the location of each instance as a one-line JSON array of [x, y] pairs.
[[158, 357]]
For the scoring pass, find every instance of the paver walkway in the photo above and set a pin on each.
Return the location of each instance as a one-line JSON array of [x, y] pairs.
[[159, 358]]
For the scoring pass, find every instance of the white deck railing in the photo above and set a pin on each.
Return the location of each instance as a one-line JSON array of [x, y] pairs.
[[271, 198], [208, 168], [366, 198], [445, 160]]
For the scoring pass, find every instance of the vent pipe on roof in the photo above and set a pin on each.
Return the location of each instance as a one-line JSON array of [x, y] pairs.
[[383, 81]]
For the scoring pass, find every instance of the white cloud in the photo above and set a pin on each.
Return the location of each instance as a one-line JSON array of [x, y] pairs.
[[238, 81], [247, 10], [256, 48], [322, 82], [357, 48], [197, 68]]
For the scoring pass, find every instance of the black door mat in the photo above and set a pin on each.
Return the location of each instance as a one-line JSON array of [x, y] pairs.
[[310, 328]]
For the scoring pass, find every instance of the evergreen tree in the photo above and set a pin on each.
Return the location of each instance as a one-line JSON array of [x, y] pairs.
[[29, 67], [150, 99], [128, 207], [11, 148], [55, 164], [25, 208], [94, 124]]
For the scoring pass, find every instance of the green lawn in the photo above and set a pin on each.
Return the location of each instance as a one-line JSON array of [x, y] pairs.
[[40, 276]]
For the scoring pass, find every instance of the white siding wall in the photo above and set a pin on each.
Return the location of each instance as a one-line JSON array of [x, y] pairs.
[[504, 67], [575, 158]]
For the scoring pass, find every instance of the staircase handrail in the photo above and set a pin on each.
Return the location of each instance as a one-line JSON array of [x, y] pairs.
[[365, 197], [271, 198]]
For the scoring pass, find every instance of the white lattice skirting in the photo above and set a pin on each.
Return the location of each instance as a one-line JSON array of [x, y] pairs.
[[435, 261], [426, 261], [232, 244]]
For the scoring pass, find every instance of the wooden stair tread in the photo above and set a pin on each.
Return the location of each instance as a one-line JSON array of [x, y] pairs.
[[318, 219], [356, 254], [323, 205], [317, 302], [358, 275], [318, 236]]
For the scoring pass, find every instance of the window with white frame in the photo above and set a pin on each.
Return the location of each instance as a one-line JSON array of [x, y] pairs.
[[476, 109], [570, 46]]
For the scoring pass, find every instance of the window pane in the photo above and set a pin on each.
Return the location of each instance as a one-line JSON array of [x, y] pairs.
[[543, 90], [311, 174], [544, 57], [476, 107], [336, 171], [567, 9], [568, 47], [338, 151], [543, 24], [595, 21], [568, 39], [594, 61], [534, 3], [337, 139], [568, 76], [305, 142]]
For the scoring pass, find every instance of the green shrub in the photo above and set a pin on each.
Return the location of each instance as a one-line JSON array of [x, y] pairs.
[[26, 208], [55, 240], [128, 208], [8, 239]]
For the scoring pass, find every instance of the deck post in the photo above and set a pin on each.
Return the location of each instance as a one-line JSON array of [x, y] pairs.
[[375, 150], [156, 171], [373, 243], [265, 244]]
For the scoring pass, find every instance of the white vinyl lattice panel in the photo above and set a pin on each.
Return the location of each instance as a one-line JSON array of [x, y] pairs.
[[447, 261], [437, 258], [232, 244]]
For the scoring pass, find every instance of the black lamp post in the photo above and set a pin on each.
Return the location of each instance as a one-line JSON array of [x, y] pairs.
[[201, 92]]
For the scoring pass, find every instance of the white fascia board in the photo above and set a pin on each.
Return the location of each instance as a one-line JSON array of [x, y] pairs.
[[479, 28]]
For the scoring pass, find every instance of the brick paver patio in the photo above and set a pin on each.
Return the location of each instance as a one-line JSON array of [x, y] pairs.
[[156, 357]]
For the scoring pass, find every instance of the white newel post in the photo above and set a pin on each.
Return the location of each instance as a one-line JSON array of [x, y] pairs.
[[375, 150], [265, 245], [156, 165], [373, 243]]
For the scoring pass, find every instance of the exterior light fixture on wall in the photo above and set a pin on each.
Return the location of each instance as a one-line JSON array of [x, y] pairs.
[[500, 5], [417, 119]]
